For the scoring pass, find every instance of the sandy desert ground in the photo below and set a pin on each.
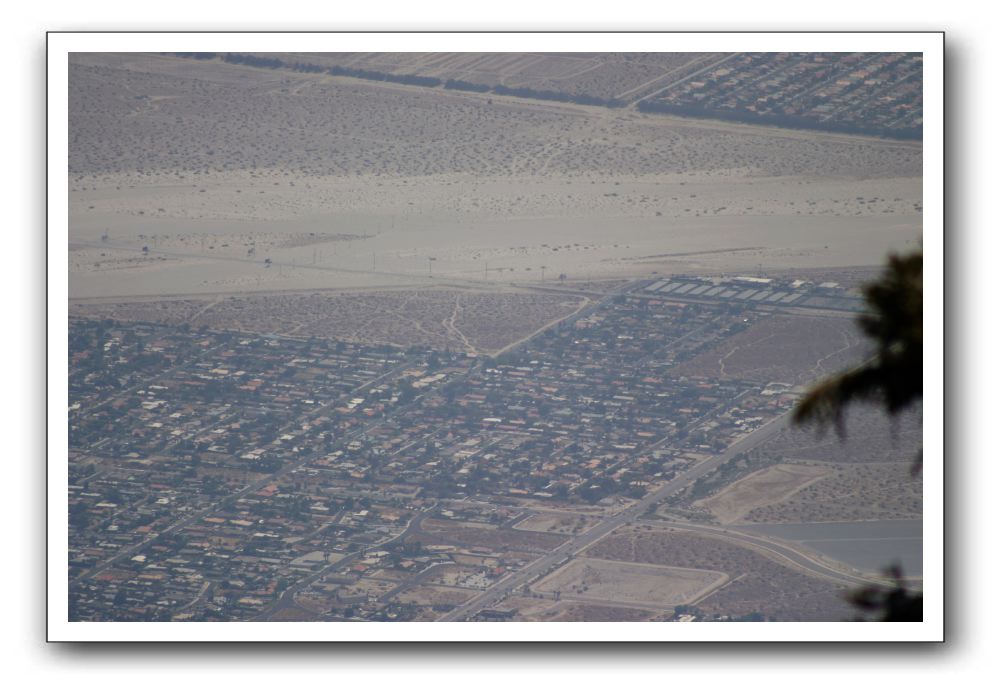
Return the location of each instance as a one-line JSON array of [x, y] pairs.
[[240, 179], [626, 583], [470, 321], [786, 349], [763, 488], [757, 583]]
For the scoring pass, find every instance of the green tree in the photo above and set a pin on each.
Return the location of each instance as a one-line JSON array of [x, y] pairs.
[[891, 376]]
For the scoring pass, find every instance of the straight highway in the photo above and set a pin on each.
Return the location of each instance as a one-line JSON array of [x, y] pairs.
[[567, 550]]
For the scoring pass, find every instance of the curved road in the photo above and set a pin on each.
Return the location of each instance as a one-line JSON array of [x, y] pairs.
[[807, 561], [567, 550]]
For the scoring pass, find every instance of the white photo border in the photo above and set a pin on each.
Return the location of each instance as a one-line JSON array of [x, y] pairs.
[[60, 44]]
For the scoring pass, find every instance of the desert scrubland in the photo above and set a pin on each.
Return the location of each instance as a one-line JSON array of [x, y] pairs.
[[863, 475], [757, 581], [467, 320], [216, 168]]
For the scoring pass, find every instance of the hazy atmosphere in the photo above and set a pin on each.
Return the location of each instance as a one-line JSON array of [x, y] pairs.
[[483, 336]]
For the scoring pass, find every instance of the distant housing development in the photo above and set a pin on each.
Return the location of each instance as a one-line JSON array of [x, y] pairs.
[[860, 93], [874, 93], [218, 475]]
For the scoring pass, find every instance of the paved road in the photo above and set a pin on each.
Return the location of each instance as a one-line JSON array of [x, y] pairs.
[[691, 75], [567, 550], [806, 560], [288, 597], [412, 582], [421, 277], [557, 556], [145, 383], [257, 484], [261, 263]]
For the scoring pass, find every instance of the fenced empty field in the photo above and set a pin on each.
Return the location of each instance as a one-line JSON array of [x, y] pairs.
[[620, 582]]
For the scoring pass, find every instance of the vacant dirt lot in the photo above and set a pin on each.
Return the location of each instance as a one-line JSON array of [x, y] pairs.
[[527, 608], [452, 575], [782, 348], [852, 492], [762, 488], [756, 583], [475, 322], [869, 436], [293, 615], [370, 586], [609, 581], [870, 469], [556, 524], [432, 595], [570, 611], [452, 533], [318, 600]]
